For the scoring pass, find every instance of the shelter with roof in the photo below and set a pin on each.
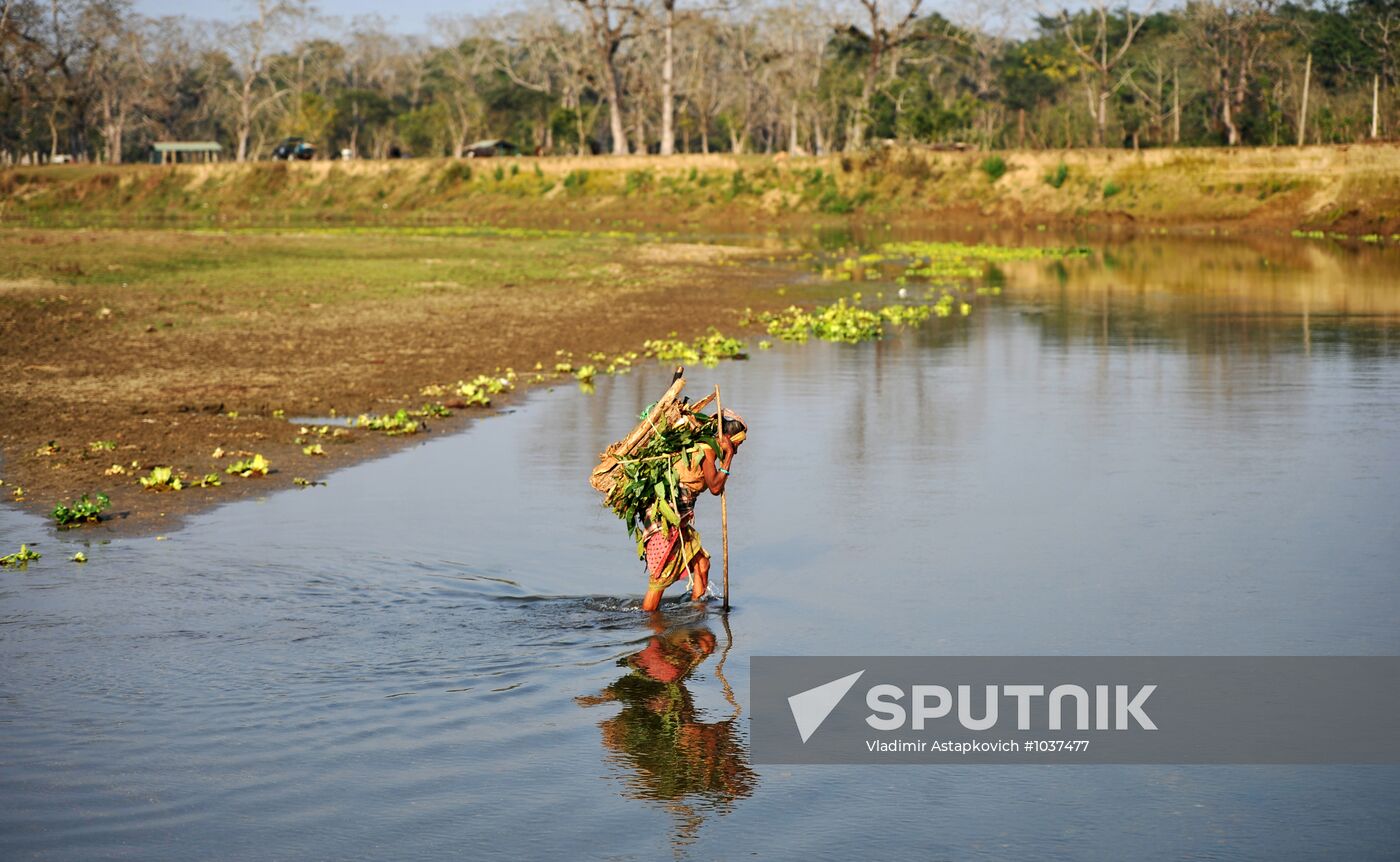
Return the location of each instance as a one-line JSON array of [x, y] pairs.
[[171, 152]]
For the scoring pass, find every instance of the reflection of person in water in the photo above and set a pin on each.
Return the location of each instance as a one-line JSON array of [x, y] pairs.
[[659, 736]]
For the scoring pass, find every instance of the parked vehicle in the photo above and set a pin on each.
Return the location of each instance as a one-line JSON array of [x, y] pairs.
[[294, 148], [489, 148]]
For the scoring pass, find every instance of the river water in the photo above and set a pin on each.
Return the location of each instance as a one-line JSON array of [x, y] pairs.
[[1167, 448]]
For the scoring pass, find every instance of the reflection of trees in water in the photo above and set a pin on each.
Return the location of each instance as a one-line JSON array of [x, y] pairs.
[[1212, 298], [660, 737]]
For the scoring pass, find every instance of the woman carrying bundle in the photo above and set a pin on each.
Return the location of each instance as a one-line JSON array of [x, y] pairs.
[[673, 551]]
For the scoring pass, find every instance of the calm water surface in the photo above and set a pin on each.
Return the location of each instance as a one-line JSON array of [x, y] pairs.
[[1167, 449]]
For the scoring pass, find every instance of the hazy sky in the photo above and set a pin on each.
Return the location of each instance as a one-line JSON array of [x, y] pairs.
[[404, 16], [412, 16]]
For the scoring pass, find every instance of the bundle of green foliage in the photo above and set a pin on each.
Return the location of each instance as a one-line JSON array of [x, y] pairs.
[[82, 512], [649, 486]]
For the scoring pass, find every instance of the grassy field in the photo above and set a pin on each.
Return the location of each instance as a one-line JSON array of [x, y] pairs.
[[154, 348], [1348, 189]]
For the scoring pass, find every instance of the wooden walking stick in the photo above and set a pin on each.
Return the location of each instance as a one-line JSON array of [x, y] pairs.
[[723, 503]]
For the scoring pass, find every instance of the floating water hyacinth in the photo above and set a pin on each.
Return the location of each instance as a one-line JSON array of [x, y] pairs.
[[944, 262], [707, 350], [847, 321], [20, 557]]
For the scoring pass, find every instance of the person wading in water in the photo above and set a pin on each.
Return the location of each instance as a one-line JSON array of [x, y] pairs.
[[675, 551]]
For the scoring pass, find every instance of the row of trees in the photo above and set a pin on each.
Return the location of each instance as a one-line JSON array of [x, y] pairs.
[[91, 79]]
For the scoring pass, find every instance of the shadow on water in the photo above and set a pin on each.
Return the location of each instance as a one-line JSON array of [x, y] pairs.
[[662, 740]]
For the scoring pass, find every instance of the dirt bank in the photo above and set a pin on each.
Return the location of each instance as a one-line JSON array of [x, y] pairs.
[[128, 350], [1353, 189]]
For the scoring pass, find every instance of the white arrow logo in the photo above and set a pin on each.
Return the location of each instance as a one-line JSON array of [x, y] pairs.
[[811, 707]]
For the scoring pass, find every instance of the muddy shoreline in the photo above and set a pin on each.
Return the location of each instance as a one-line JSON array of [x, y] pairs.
[[105, 375]]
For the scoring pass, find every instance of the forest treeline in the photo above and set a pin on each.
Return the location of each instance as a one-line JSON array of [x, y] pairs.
[[94, 80]]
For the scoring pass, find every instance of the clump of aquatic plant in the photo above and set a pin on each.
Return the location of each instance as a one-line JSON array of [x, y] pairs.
[[478, 390], [20, 557], [83, 511], [47, 450], [939, 262], [18, 493], [114, 470], [393, 425], [847, 321], [79, 557], [906, 315], [246, 467], [162, 479], [314, 449], [790, 324], [708, 349], [302, 482], [434, 411], [102, 446], [209, 480]]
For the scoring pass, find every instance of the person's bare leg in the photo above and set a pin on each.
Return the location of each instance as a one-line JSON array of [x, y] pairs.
[[652, 600], [702, 578]]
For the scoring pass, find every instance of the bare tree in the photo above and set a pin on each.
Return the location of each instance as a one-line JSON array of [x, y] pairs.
[[459, 66], [1094, 45], [701, 76], [115, 70], [611, 23], [890, 29], [250, 89], [984, 30], [1233, 35], [797, 33], [63, 38]]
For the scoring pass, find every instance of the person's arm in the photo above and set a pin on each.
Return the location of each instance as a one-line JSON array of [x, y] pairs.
[[716, 469]]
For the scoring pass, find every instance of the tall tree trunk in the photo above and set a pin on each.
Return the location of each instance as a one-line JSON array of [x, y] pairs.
[[867, 95], [614, 94], [53, 130], [1227, 117], [1176, 106], [668, 63], [1303, 114], [793, 144], [1375, 107], [1101, 118]]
